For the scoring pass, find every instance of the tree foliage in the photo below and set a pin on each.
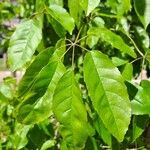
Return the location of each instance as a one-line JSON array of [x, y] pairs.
[[85, 84]]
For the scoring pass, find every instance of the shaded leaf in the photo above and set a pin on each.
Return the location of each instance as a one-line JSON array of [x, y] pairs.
[[139, 124], [23, 43], [142, 9], [119, 7], [108, 93], [110, 37], [36, 66], [70, 112], [102, 131], [36, 91], [42, 109]]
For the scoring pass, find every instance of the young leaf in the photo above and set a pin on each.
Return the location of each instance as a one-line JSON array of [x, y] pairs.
[[110, 37], [23, 43], [70, 112], [89, 5], [142, 9], [59, 14], [36, 66], [140, 104], [108, 93]]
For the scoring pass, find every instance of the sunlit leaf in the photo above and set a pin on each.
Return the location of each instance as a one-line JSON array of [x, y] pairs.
[[141, 104], [108, 93], [62, 16], [89, 5], [23, 43]]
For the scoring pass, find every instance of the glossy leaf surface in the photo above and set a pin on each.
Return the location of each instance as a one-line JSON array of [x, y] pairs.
[[23, 43], [62, 16], [108, 93]]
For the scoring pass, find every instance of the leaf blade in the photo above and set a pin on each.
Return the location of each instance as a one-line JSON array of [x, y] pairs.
[[142, 9], [110, 37], [62, 16], [23, 43], [66, 102], [107, 79]]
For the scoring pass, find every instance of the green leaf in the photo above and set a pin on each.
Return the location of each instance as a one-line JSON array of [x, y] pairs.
[[36, 66], [139, 125], [60, 47], [70, 112], [48, 144], [110, 37], [76, 11], [59, 29], [140, 104], [119, 7], [118, 61], [127, 72], [57, 2], [89, 5], [142, 36], [59, 14], [102, 131], [43, 107], [19, 138], [108, 93], [23, 43], [142, 9], [26, 108]]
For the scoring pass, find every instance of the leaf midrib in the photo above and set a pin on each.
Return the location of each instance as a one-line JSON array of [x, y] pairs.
[[105, 93]]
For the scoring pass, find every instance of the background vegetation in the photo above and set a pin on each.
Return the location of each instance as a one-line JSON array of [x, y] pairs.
[[86, 83]]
